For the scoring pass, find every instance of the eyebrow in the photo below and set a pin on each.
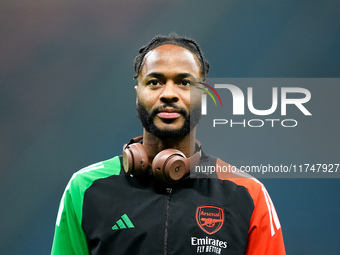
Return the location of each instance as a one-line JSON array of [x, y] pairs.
[[161, 75]]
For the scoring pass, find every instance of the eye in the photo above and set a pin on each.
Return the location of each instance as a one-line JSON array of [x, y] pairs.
[[153, 82], [185, 82]]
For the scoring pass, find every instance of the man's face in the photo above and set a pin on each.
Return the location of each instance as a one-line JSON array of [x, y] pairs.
[[166, 95]]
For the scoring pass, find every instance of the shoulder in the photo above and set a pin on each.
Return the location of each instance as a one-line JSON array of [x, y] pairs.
[[230, 173], [87, 175], [72, 199]]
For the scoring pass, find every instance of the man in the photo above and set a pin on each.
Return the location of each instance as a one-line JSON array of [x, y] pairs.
[[144, 202]]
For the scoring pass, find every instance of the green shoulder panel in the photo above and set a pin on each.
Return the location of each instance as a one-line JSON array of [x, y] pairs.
[[84, 178], [69, 237]]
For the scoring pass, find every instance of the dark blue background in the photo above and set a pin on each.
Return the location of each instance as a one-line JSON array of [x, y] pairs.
[[67, 97]]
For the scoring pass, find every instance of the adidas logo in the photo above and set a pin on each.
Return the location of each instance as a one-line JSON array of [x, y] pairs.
[[123, 222]]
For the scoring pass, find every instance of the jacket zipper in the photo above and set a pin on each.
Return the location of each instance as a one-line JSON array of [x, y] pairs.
[[166, 223]]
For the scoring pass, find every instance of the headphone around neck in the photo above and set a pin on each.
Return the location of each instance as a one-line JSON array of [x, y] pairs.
[[168, 166]]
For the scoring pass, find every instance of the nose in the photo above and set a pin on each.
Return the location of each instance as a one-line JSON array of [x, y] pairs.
[[169, 93]]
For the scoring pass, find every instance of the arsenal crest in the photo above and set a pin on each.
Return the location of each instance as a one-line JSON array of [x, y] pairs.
[[210, 218]]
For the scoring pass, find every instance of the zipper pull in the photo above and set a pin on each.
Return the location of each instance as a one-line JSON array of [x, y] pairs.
[[169, 190]]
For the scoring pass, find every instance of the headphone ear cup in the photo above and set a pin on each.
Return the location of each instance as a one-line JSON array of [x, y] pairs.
[[135, 159], [168, 166], [127, 160]]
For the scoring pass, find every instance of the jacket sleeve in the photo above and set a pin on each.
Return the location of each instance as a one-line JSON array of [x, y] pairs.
[[265, 233], [69, 237]]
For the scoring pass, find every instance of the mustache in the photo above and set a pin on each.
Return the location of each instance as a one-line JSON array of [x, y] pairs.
[[165, 105]]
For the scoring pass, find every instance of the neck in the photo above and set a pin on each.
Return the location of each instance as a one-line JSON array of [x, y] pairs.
[[153, 144]]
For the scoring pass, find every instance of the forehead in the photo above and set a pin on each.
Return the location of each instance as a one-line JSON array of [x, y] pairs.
[[169, 57]]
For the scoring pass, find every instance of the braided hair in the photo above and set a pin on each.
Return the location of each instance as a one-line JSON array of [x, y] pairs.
[[174, 39]]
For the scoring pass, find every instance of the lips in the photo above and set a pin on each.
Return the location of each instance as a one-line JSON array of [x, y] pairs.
[[169, 114]]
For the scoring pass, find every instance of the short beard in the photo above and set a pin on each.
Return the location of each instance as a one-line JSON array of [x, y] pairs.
[[147, 120]]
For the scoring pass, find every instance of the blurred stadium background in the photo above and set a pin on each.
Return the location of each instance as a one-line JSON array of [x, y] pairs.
[[67, 97]]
